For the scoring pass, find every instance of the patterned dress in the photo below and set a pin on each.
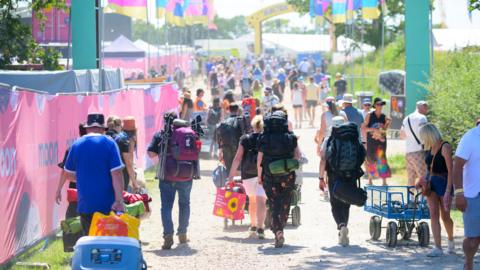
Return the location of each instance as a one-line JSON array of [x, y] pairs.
[[377, 164], [279, 190]]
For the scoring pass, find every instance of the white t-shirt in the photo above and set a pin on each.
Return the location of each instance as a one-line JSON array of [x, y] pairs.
[[469, 150], [297, 96], [417, 120]]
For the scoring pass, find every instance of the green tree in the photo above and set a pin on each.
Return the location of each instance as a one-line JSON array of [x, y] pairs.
[[16, 41], [230, 28], [474, 4], [276, 26]]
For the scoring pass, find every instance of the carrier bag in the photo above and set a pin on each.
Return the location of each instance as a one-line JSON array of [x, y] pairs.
[[114, 225], [71, 232], [283, 166], [230, 202], [72, 195], [349, 192], [136, 209]]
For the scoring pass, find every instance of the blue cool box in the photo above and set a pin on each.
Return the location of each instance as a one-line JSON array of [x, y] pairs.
[[107, 252]]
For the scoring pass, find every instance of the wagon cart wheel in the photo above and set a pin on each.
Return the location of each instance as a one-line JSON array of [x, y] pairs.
[[406, 229], [296, 216], [268, 219], [375, 227], [392, 234], [423, 232]]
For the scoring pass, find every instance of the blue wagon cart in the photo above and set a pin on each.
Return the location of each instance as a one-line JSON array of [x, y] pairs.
[[404, 205]]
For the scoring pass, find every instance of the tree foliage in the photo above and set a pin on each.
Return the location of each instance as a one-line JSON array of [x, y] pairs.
[[474, 5], [454, 94], [16, 41]]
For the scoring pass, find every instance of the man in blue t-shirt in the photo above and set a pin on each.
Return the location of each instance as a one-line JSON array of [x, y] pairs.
[[94, 160]]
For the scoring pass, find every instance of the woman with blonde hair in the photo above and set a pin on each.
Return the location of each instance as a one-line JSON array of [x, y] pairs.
[[246, 159], [439, 174], [114, 126]]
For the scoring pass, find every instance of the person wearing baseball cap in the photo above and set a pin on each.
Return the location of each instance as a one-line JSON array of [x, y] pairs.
[[94, 160], [353, 115]]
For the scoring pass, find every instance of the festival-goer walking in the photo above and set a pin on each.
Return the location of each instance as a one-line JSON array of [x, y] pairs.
[[376, 125], [466, 179], [214, 116], [340, 86], [114, 126], [297, 103], [176, 180], [270, 99], [199, 105], [415, 152], [94, 161], [246, 81], [187, 106], [304, 68], [228, 99], [213, 82], [277, 90], [353, 115], [282, 80], [230, 80], [293, 77], [246, 158], [257, 90], [318, 76], [127, 144], [228, 135], [326, 123], [277, 144], [72, 206], [312, 96], [439, 164]]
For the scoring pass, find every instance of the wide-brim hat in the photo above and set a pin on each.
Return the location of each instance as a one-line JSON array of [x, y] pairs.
[[327, 99], [95, 120], [379, 100], [129, 124], [347, 98]]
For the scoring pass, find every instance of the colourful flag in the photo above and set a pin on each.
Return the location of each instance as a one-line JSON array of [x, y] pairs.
[[318, 7], [352, 6], [211, 15], [175, 11], [132, 8], [339, 9], [370, 9], [197, 12], [160, 8]]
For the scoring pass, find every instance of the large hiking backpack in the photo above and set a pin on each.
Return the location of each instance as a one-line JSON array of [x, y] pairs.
[[249, 107], [249, 160], [229, 132], [184, 149], [345, 152], [276, 122]]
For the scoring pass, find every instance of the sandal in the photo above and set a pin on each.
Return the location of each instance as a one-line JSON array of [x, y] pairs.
[[279, 239]]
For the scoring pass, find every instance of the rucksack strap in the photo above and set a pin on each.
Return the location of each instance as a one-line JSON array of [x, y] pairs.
[[413, 133]]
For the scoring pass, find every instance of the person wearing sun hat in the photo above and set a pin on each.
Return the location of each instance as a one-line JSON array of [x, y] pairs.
[[127, 143], [353, 115], [376, 125], [94, 160]]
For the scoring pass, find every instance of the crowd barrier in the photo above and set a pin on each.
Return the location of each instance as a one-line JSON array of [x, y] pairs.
[[35, 130]]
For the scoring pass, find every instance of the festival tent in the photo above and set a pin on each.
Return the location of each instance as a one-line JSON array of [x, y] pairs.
[[451, 39], [123, 47]]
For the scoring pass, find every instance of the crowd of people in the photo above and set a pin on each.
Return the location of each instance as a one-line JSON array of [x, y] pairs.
[[253, 136]]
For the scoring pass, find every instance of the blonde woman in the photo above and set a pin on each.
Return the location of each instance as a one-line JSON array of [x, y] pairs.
[[439, 172], [245, 158]]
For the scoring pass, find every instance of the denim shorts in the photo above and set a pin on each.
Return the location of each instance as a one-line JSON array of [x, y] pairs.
[[471, 217]]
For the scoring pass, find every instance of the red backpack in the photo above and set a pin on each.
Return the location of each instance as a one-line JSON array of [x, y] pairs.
[[249, 105]]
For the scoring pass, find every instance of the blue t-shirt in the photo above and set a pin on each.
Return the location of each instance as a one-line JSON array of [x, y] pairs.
[[281, 77], [353, 115], [317, 77], [92, 158]]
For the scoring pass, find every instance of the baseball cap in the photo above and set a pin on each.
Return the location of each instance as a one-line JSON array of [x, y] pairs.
[[95, 120], [421, 102]]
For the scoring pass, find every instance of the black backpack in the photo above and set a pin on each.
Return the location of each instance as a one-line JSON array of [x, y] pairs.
[[276, 122], [249, 160], [345, 152], [229, 132], [213, 117]]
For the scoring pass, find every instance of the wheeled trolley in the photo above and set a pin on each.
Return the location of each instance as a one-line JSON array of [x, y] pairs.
[[405, 205]]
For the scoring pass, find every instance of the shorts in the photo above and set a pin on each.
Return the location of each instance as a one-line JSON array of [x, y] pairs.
[[297, 106], [471, 217], [439, 185], [311, 103], [252, 188]]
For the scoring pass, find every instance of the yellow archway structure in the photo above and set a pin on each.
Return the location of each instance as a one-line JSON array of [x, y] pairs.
[[255, 20]]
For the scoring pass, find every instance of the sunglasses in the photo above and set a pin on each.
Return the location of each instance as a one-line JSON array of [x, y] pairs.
[[367, 105], [379, 104]]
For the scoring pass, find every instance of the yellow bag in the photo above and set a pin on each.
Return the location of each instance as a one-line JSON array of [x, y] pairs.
[[114, 225]]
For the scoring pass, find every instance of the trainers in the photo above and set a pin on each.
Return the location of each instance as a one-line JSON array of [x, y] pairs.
[[182, 238], [253, 231], [279, 239], [343, 236], [435, 252], [261, 233], [167, 241], [451, 247]]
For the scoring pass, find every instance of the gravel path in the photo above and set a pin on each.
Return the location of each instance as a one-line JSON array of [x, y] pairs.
[[313, 245]]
